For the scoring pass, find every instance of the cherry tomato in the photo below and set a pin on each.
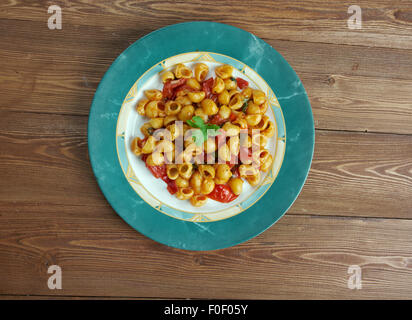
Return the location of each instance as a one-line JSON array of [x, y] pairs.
[[241, 83], [207, 86], [222, 193]]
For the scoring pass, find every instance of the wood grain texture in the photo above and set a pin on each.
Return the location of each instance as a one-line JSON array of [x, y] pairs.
[[102, 256], [385, 23], [355, 208], [346, 90], [370, 174], [353, 174]]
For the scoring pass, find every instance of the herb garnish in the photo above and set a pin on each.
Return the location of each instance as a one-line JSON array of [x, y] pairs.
[[244, 105], [200, 136], [150, 130]]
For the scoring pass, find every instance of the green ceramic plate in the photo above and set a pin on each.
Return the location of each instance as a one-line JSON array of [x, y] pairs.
[[143, 201]]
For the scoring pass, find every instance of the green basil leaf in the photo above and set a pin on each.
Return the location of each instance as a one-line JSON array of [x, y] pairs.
[[213, 133], [190, 123], [213, 126], [198, 137], [197, 122]]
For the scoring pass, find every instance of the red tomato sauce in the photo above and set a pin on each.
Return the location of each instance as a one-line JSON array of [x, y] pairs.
[[217, 119], [207, 87], [160, 172], [241, 83], [170, 86], [171, 184], [157, 171], [222, 193]]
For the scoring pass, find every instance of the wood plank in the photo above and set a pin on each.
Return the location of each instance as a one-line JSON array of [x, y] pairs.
[[359, 174], [360, 103], [56, 170], [346, 90], [353, 174], [385, 23], [299, 258], [95, 46], [354, 209], [63, 297], [47, 83]]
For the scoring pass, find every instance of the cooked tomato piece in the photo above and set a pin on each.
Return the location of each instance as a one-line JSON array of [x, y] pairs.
[[170, 86], [183, 87], [222, 193], [142, 142], [217, 119], [171, 184], [232, 117], [214, 97], [241, 83], [158, 171], [207, 87], [172, 187], [235, 170]]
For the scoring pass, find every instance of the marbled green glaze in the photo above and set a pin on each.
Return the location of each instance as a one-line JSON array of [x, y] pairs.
[[241, 45]]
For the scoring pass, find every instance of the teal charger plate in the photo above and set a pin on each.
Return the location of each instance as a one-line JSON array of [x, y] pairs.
[[205, 37]]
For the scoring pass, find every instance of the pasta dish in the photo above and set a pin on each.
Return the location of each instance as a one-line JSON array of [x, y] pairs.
[[205, 136]]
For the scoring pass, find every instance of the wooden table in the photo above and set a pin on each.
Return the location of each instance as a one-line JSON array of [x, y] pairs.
[[355, 208]]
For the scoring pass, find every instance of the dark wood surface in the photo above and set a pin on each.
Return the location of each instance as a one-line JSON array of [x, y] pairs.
[[355, 208]]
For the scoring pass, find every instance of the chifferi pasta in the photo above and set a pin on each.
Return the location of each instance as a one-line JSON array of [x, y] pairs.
[[205, 137]]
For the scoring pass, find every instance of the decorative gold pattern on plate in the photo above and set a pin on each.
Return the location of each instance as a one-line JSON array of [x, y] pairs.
[[132, 93], [204, 57]]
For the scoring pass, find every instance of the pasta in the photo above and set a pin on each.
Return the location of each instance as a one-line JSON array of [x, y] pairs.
[[236, 184], [208, 184], [198, 200], [200, 135], [182, 71], [201, 71], [184, 193], [172, 171], [166, 76], [207, 171], [153, 94]]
